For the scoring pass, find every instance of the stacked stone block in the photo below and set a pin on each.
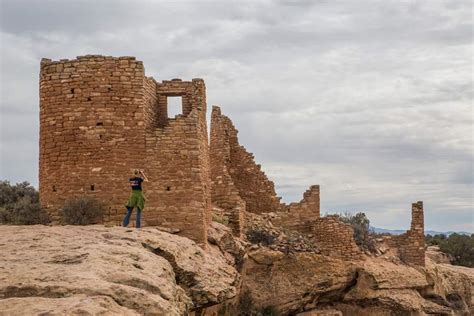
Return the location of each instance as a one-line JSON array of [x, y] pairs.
[[251, 182], [90, 120], [301, 216], [335, 238], [411, 245], [177, 157], [238, 183], [100, 118], [225, 194]]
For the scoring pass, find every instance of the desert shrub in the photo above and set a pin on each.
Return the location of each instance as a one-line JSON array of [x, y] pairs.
[[19, 205], [269, 311], [259, 236], [220, 218], [83, 210], [361, 226], [435, 240], [245, 306], [460, 247]]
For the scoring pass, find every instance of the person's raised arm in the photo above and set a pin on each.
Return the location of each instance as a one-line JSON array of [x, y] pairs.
[[144, 176]]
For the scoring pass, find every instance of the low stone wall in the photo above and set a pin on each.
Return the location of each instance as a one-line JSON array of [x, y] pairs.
[[300, 216], [335, 238], [331, 236]]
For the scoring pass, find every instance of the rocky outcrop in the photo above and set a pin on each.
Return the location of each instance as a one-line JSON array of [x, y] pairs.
[[303, 282], [295, 282], [117, 271], [437, 256], [68, 269]]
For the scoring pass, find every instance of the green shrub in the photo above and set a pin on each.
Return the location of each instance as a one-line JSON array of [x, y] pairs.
[[361, 226], [245, 306], [19, 205], [259, 236], [83, 210], [460, 247], [220, 218], [269, 311]]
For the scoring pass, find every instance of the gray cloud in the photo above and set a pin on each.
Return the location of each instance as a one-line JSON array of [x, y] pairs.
[[371, 99]]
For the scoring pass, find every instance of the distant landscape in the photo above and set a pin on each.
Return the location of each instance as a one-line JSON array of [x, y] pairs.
[[427, 232]]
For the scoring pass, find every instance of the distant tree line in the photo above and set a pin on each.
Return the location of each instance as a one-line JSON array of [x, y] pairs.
[[460, 247]]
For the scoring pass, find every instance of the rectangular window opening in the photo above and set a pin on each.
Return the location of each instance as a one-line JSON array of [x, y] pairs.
[[175, 106]]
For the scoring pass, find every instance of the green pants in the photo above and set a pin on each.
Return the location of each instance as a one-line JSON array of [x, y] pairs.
[[136, 199]]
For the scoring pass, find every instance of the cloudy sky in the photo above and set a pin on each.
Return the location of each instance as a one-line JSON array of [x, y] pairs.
[[370, 99]]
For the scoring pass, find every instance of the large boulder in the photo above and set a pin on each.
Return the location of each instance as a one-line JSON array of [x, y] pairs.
[[294, 282], [437, 256]]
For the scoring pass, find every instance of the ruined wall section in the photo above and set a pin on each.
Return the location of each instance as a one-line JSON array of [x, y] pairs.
[[177, 154], [335, 238], [90, 118], [225, 194], [101, 118], [411, 245], [301, 216], [254, 187]]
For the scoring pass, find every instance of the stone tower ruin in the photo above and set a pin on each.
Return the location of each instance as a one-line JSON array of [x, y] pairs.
[[100, 118]]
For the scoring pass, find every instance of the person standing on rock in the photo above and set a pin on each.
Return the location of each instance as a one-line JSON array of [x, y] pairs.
[[136, 199]]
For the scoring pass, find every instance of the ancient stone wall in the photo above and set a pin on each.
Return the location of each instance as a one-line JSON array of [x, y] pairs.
[[411, 245], [301, 216], [177, 159], [225, 194], [100, 118], [247, 177], [91, 117], [238, 183], [335, 238]]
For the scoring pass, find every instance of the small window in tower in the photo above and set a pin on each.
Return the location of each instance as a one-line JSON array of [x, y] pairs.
[[54, 188], [89, 99], [72, 90], [175, 106], [92, 187], [168, 188], [99, 124]]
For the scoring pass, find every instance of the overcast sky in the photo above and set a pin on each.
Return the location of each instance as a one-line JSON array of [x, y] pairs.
[[370, 99]]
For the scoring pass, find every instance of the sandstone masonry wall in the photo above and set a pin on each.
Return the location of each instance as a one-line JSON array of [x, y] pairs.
[[238, 183], [224, 192], [250, 181], [177, 159], [335, 238], [100, 118], [90, 119], [411, 245], [301, 216]]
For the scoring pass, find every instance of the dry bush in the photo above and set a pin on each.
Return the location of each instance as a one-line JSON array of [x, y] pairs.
[[19, 205], [361, 226], [259, 236], [83, 210], [220, 218]]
